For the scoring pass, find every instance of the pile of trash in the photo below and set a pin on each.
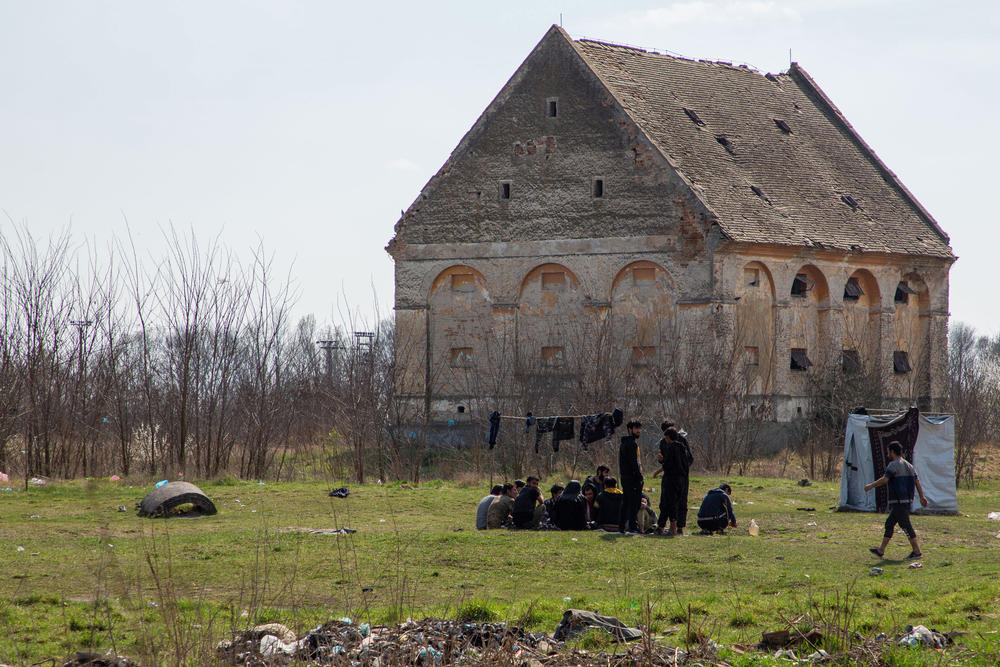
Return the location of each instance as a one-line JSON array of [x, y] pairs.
[[427, 642]]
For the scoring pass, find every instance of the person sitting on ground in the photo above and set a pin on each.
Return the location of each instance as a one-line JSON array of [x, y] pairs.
[[716, 511], [588, 498], [596, 481], [647, 517], [554, 492], [528, 506], [569, 511], [499, 512], [484, 506], [609, 505], [518, 485]]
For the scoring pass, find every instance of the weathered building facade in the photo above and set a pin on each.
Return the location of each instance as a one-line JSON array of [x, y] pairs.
[[622, 204]]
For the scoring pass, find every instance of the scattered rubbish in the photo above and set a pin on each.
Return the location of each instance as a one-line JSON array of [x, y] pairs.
[[4, 477], [918, 635], [342, 492], [573, 539], [998, 534], [575, 621], [754, 529], [916, 565], [994, 516], [7, 488], [367, 589], [381, 520], [36, 516], [749, 502], [875, 571], [261, 484], [429, 655], [114, 478], [775, 639], [365, 629], [162, 482], [812, 523], [37, 481], [165, 498], [567, 599], [805, 509], [122, 508], [818, 655], [786, 654], [20, 548], [92, 659]]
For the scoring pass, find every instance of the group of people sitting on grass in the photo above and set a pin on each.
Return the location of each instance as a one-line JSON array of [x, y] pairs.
[[600, 502]]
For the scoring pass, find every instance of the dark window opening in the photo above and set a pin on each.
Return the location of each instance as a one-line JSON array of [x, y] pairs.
[[505, 191], [852, 290], [461, 356], [900, 362], [751, 355], [903, 292], [850, 201], [850, 362], [800, 360], [553, 108], [598, 188], [760, 193], [751, 277], [694, 117], [553, 355], [783, 126], [801, 285]]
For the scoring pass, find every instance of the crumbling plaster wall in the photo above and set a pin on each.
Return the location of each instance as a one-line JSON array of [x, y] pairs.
[[825, 324]]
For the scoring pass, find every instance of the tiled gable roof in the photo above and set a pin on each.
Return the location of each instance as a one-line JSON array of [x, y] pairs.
[[770, 155]]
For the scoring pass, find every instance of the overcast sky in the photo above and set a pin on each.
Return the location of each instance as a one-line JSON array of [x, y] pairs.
[[310, 125]]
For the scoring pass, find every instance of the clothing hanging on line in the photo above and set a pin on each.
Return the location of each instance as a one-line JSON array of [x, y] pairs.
[[494, 428], [543, 425], [563, 430]]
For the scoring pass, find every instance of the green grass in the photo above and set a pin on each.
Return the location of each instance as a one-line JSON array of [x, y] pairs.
[[165, 591]]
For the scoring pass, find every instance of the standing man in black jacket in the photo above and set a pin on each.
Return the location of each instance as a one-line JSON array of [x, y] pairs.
[[631, 478], [676, 463]]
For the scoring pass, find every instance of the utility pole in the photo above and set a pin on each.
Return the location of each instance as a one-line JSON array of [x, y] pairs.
[[328, 346], [81, 326]]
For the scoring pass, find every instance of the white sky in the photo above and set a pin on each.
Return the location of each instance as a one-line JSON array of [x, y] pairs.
[[310, 125]]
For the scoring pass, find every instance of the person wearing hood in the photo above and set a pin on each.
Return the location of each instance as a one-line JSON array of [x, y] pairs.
[[609, 505], [569, 511]]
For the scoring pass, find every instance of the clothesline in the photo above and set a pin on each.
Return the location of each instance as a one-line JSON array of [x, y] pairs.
[[545, 417]]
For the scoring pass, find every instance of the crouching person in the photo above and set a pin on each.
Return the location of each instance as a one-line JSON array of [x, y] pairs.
[[716, 511]]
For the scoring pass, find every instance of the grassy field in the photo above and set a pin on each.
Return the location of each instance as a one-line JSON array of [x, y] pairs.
[[75, 572]]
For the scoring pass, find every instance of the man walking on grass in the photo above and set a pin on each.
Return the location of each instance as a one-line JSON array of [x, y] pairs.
[[901, 479]]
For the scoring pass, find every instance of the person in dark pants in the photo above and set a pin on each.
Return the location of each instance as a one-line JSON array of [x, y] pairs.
[[682, 510], [631, 478], [901, 479], [675, 467], [716, 511]]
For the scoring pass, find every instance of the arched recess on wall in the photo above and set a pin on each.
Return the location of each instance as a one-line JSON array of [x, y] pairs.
[[643, 314], [862, 322], [753, 336], [809, 300], [911, 321], [551, 323], [459, 310]]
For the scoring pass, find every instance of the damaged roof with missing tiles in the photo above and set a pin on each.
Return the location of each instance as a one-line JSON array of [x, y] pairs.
[[775, 160]]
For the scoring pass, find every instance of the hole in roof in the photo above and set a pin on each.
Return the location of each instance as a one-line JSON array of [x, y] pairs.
[[850, 201], [725, 142], [760, 193], [783, 126], [693, 116]]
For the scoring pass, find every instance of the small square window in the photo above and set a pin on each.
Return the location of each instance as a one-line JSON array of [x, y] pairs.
[[751, 355], [850, 362], [643, 275], [598, 188], [461, 356], [903, 292], [801, 285], [553, 280], [504, 189], [900, 362], [800, 360], [553, 355], [852, 290], [553, 107], [751, 277], [643, 354], [463, 282]]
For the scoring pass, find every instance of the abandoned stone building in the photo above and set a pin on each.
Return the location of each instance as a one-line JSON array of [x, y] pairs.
[[655, 203]]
